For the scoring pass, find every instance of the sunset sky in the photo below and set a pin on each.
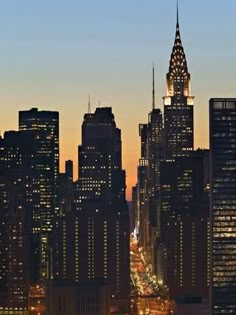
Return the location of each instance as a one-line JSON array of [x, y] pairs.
[[56, 52]]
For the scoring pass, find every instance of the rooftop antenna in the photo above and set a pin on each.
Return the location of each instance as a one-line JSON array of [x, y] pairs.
[[153, 86], [177, 13], [89, 104]]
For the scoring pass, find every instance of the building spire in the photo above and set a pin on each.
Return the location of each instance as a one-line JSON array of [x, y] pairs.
[[177, 23], [178, 69], [89, 104], [153, 87]]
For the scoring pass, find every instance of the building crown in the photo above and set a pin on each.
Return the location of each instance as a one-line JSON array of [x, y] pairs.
[[178, 78]]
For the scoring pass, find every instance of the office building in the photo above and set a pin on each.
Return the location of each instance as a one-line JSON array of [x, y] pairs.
[[44, 126], [142, 212], [178, 103], [17, 191], [159, 142], [148, 184], [223, 205], [185, 227], [93, 240], [102, 194], [100, 171]]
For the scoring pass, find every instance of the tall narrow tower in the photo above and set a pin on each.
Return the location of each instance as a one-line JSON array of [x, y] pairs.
[[18, 191], [223, 205], [44, 126], [183, 200], [178, 103], [149, 179]]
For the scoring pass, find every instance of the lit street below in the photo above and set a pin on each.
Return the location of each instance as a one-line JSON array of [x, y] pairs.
[[148, 296]]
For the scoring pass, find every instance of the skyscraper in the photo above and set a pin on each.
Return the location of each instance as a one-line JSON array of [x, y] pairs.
[[183, 195], [17, 192], [178, 103], [142, 213], [184, 226], [149, 178], [223, 205], [102, 190], [100, 174], [44, 126], [93, 240]]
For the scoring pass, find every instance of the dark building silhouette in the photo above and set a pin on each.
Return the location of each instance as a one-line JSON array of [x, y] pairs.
[[148, 185], [223, 205], [93, 240], [100, 172], [131, 216], [170, 203], [88, 298], [171, 197], [142, 212], [17, 194], [44, 126], [69, 169], [155, 155], [135, 208], [178, 103], [183, 247], [191, 305], [66, 189], [184, 227]]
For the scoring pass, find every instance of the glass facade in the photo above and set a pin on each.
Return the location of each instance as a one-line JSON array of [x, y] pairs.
[[223, 205]]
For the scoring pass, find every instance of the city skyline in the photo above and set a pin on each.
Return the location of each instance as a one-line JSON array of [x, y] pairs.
[[118, 179], [60, 66]]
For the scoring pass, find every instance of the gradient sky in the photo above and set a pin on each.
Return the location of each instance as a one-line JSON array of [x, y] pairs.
[[53, 53]]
